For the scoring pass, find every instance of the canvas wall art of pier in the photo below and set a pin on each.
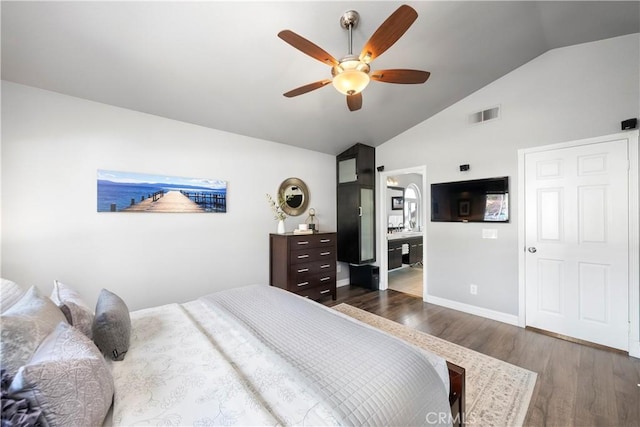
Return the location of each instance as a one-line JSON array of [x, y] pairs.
[[140, 192]]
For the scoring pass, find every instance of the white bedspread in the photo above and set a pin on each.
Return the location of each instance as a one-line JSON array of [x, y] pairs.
[[178, 372], [172, 375]]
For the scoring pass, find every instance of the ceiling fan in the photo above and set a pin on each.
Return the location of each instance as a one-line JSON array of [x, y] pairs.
[[351, 74]]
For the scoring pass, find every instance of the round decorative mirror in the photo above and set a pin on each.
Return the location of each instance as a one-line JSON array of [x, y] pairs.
[[295, 194]]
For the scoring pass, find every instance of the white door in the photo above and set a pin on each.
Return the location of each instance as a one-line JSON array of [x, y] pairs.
[[576, 260]]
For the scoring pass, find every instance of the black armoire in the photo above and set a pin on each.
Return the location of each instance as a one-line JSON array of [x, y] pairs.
[[356, 229]]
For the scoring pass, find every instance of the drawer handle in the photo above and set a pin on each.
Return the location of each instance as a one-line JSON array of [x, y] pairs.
[[303, 270], [325, 253], [326, 291], [325, 240], [390, 250], [303, 256], [325, 266], [304, 242], [324, 279], [303, 284]]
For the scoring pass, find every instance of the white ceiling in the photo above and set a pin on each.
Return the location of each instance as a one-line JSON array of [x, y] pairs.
[[221, 65]]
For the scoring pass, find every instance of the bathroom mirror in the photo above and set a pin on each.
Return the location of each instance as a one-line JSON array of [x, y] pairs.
[[395, 208], [295, 194]]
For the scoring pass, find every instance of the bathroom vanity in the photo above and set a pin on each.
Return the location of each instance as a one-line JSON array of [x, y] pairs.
[[404, 248]]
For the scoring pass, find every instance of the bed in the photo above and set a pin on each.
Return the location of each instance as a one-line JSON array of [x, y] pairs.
[[258, 355]]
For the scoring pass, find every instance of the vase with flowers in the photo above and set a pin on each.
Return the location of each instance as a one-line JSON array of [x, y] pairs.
[[278, 213]]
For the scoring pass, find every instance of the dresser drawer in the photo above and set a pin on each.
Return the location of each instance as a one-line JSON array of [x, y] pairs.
[[322, 253], [328, 279], [312, 241], [301, 271], [318, 292]]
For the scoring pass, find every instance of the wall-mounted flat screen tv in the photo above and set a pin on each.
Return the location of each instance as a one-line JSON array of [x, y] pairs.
[[478, 200]]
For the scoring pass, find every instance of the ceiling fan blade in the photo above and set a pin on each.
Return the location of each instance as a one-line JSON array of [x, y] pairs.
[[388, 33], [400, 76], [305, 46], [307, 88], [354, 102]]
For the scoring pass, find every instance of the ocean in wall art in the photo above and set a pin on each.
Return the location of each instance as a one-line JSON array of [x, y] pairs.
[[139, 192]]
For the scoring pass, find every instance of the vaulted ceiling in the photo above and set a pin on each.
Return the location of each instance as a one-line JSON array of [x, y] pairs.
[[221, 65]]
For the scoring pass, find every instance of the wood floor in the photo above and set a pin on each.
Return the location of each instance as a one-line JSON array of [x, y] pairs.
[[577, 385], [406, 279]]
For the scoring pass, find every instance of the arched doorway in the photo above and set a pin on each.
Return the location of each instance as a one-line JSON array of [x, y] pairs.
[[405, 232]]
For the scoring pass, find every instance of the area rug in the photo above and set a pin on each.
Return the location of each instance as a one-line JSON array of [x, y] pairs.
[[497, 393]]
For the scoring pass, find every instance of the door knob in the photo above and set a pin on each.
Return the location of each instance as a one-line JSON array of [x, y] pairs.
[[532, 249]]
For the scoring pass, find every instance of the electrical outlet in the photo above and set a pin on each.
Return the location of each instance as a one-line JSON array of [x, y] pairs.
[[473, 289]]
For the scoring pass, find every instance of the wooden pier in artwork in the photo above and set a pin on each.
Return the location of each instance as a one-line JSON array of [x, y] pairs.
[[207, 199], [171, 201]]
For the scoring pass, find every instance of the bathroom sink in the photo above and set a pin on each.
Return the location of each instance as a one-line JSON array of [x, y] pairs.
[[404, 235]]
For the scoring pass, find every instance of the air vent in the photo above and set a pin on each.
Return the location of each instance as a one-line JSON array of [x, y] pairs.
[[485, 116]]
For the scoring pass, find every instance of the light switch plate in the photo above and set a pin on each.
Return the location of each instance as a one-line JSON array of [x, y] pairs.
[[489, 233]]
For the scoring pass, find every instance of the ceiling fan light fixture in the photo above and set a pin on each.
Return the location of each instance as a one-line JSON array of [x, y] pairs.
[[351, 82], [351, 76]]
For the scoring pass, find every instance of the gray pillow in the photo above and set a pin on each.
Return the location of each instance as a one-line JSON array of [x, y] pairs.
[[76, 311], [112, 325], [24, 326], [67, 378]]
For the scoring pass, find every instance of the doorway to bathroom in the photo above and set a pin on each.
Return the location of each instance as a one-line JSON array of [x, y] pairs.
[[402, 231]]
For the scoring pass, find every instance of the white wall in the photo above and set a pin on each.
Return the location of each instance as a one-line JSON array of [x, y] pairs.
[[52, 146], [565, 94]]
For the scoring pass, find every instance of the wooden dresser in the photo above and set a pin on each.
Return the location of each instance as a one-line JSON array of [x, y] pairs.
[[304, 264]]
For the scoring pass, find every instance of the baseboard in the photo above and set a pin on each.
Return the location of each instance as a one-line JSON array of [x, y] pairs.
[[511, 319], [634, 349], [343, 282]]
